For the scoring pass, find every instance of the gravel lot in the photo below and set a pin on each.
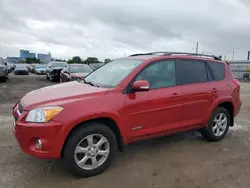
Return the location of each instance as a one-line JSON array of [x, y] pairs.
[[183, 160]]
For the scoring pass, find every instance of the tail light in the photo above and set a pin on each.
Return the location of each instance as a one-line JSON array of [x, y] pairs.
[[236, 82]]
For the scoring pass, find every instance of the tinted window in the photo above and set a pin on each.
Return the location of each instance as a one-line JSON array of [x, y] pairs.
[[192, 72], [217, 69], [159, 75]]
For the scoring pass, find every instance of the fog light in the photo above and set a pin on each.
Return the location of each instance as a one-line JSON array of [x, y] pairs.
[[38, 144]]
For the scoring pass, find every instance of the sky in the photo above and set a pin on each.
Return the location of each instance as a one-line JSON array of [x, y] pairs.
[[114, 28]]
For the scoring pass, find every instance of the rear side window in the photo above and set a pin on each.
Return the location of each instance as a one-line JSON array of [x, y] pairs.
[[217, 70], [191, 72]]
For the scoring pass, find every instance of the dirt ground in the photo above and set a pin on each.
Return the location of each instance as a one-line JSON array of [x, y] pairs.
[[183, 160]]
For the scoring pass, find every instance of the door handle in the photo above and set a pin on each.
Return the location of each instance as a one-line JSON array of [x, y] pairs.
[[174, 95], [214, 90]]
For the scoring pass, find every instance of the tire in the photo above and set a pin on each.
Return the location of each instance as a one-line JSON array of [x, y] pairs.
[[79, 136], [210, 132]]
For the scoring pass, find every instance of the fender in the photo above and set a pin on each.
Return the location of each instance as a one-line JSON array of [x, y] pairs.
[[68, 128], [215, 105]]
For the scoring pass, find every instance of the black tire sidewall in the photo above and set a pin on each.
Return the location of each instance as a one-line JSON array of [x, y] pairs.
[[68, 156], [207, 132]]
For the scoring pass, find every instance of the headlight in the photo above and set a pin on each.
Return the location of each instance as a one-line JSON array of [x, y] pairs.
[[43, 115]]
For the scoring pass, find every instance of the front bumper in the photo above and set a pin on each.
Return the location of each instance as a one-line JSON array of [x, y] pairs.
[[27, 134], [21, 72]]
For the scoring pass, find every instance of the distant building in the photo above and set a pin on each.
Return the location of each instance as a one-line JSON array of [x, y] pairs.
[[13, 59], [239, 67], [32, 55], [24, 54], [45, 58]]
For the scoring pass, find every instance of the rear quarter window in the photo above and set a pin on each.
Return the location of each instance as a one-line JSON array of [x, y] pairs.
[[217, 70]]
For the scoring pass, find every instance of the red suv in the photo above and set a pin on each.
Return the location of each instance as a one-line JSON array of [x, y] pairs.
[[127, 100]]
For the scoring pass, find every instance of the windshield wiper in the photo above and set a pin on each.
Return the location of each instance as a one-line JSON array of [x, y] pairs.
[[90, 83]]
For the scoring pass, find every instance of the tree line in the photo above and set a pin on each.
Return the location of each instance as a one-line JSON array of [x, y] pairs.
[[76, 59], [89, 60]]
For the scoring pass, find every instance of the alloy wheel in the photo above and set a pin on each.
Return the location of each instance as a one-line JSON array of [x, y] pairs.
[[219, 124], [92, 151]]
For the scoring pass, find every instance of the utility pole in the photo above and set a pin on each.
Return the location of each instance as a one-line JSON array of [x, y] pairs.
[[248, 55], [197, 47], [233, 55]]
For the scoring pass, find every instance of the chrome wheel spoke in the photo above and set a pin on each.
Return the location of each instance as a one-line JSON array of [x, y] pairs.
[[103, 152], [94, 162], [82, 162], [90, 140], [80, 149], [216, 131], [223, 128], [214, 128], [101, 142], [224, 120], [220, 117]]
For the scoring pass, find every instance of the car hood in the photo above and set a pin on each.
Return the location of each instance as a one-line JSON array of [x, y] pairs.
[[59, 94], [79, 75]]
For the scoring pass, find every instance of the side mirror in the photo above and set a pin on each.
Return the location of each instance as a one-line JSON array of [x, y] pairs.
[[5, 63], [141, 85]]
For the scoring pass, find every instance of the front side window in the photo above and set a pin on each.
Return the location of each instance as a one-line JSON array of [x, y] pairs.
[[159, 75], [191, 72], [111, 74]]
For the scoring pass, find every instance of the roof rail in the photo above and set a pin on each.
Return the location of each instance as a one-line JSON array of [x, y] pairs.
[[179, 53]]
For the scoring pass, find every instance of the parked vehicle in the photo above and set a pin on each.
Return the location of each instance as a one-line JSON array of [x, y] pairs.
[[75, 72], [40, 69], [21, 69], [53, 71], [130, 99], [32, 67], [3, 70], [9, 66]]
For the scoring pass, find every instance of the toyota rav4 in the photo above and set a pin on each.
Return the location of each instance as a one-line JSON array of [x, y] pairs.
[[139, 97]]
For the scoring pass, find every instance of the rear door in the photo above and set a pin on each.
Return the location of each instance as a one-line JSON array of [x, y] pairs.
[[197, 93]]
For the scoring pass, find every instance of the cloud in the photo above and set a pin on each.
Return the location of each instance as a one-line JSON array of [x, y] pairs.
[[112, 28]]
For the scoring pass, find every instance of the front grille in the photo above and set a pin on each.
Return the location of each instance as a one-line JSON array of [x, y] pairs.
[[20, 107]]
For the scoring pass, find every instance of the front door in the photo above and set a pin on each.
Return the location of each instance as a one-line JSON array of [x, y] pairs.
[[154, 112]]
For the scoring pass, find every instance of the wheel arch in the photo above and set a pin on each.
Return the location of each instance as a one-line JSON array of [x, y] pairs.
[[227, 104], [107, 121], [230, 108]]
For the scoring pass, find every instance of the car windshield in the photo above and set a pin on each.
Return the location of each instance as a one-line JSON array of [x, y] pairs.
[[59, 64], [21, 66], [80, 69], [112, 73]]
